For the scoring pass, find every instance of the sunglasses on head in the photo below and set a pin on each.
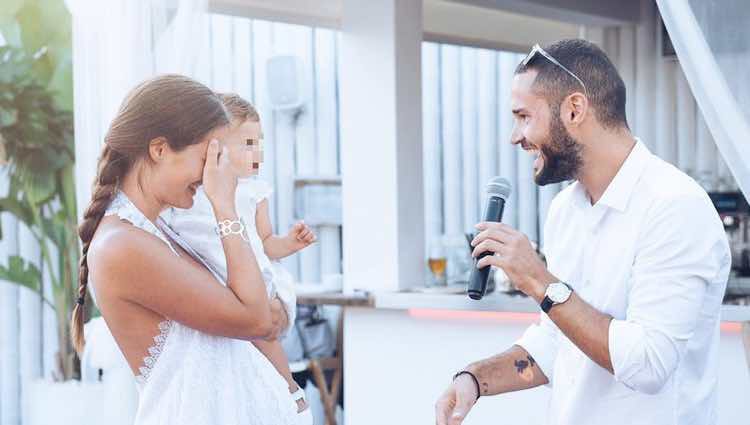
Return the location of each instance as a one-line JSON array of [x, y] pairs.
[[537, 49]]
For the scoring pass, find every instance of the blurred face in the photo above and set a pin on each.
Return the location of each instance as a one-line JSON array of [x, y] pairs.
[[244, 142], [540, 131], [180, 173]]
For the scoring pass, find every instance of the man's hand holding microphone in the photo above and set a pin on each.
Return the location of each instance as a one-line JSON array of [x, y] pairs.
[[501, 246]]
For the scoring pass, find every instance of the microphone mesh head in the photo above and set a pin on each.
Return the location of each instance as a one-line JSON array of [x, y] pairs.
[[500, 187]]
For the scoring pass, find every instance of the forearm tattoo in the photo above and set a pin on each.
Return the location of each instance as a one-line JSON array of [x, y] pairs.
[[524, 367]]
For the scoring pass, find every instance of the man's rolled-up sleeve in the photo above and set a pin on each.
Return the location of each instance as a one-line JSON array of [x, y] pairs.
[[541, 342], [675, 262]]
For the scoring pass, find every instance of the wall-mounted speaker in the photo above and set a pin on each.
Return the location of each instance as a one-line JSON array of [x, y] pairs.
[[285, 82]]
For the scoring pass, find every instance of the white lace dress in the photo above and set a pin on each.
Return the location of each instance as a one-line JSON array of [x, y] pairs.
[[190, 377]]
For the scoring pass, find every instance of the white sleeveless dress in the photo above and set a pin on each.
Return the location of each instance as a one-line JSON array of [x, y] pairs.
[[190, 377]]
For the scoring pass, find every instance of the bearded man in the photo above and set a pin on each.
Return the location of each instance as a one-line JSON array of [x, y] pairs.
[[638, 262]]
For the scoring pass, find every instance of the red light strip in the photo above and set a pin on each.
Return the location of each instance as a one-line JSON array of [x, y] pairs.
[[731, 327], [419, 313], [474, 315]]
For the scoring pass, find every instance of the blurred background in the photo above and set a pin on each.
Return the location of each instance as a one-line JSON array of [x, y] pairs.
[[377, 115]]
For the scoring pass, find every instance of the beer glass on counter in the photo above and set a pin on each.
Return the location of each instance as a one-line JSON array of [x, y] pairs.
[[437, 261]]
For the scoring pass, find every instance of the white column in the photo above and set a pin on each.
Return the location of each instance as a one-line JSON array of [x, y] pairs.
[[487, 115], [645, 33], [50, 338], [626, 67], [450, 122], [326, 115], [30, 315], [10, 355], [664, 113], [306, 144], [433, 176], [685, 125], [507, 164], [705, 158], [381, 149], [472, 187]]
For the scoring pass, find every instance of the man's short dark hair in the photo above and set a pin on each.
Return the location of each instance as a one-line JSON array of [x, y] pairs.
[[604, 86]]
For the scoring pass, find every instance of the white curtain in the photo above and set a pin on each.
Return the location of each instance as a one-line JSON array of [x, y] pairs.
[[712, 41], [116, 45]]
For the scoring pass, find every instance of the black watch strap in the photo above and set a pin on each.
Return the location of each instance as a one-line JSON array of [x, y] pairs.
[[547, 303]]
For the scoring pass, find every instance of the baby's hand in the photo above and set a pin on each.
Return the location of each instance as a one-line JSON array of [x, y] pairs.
[[300, 236]]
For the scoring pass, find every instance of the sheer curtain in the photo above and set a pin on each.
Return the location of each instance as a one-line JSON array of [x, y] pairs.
[[712, 41], [117, 44]]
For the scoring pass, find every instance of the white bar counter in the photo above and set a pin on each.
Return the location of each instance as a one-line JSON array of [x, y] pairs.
[[497, 302], [402, 348]]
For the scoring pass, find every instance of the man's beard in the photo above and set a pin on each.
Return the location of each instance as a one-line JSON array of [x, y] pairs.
[[561, 154]]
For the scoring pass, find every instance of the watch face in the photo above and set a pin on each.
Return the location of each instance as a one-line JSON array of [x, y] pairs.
[[558, 292]]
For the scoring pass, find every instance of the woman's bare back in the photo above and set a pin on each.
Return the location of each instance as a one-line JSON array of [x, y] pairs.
[[133, 326]]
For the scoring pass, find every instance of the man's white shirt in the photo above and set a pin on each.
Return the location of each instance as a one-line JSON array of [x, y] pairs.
[[652, 253]]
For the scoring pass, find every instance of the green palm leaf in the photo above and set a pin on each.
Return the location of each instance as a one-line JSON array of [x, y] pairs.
[[21, 272]]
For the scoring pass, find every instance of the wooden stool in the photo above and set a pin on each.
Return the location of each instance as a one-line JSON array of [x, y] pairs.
[[329, 396]]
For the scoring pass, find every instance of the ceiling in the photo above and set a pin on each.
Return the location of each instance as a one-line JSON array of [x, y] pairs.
[[513, 25], [580, 12]]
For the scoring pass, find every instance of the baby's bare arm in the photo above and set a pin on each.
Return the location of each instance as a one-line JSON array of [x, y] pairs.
[[277, 247]]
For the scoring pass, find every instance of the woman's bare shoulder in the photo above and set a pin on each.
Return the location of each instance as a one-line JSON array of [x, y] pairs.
[[121, 249]]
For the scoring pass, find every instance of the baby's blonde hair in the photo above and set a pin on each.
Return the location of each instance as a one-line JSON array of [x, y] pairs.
[[239, 108]]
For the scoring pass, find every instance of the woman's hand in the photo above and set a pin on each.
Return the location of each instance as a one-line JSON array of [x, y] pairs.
[[219, 182], [279, 319]]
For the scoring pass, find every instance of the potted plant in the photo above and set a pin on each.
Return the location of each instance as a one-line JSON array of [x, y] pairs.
[[36, 142]]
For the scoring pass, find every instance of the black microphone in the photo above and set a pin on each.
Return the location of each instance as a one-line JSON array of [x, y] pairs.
[[498, 190]]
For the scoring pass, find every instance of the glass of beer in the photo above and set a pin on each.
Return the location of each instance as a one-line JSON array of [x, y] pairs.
[[437, 261]]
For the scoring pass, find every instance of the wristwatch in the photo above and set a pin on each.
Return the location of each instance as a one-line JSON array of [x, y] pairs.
[[556, 293]]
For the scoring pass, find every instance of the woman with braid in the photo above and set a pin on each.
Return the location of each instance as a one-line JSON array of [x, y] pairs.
[[180, 326]]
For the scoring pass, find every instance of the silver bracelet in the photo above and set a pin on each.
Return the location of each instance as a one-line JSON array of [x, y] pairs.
[[226, 228]]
